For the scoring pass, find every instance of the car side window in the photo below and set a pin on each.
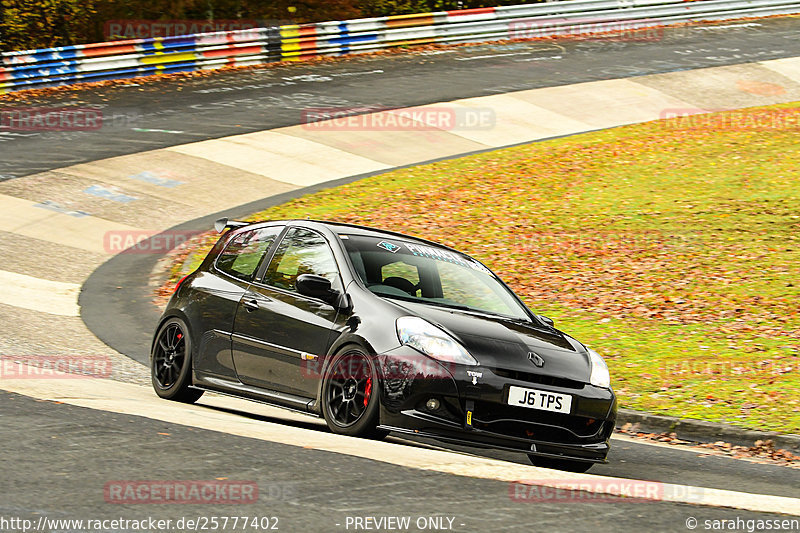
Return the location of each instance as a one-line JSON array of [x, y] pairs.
[[402, 276], [244, 252], [301, 251]]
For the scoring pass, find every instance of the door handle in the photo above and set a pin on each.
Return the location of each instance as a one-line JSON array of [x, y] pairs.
[[250, 305]]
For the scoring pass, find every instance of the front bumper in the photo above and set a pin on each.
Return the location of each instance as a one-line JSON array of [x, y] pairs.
[[409, 380]]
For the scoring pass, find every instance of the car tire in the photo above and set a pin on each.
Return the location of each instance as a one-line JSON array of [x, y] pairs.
[[559, 464], [171, 363], [350, 399]]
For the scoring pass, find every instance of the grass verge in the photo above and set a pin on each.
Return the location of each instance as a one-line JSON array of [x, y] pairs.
[[671, 247]]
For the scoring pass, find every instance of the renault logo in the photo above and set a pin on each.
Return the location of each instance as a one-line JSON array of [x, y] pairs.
[[536, 359]]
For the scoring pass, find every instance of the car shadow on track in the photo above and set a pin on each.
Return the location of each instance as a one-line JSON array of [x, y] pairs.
[[627, 459], [317, 424]]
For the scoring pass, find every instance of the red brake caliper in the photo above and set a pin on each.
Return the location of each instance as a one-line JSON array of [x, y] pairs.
[[367, 391]]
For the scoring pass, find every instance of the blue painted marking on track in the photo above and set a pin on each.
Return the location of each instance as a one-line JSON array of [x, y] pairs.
[[150, 177], [109, 194], [58, 208]]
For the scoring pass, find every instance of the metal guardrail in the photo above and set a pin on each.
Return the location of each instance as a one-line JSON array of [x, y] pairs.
[[141, 57]]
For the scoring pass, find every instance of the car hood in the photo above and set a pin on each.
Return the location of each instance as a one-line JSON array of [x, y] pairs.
[[505, 344]]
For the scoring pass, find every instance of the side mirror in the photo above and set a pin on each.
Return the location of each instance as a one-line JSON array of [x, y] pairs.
[[547, 320], [316, 287]]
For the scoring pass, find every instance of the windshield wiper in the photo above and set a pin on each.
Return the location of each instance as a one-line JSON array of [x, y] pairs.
[[457, 307], [423, 301]]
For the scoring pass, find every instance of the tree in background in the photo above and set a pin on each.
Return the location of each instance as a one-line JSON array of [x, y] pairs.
[[44, 23], [381, 8], [26, 24], [302, 11]]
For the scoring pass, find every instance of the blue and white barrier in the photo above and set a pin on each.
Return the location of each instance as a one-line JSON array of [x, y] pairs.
[[142, 57]]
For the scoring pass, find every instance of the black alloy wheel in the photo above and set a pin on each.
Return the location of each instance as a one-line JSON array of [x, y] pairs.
[[171, 363]]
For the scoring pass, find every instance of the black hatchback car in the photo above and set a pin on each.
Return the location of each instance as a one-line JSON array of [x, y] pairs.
[[380, 332]]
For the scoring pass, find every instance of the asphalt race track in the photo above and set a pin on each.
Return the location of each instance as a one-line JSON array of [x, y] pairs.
[[307, 490], [149, 116], [59, 456]]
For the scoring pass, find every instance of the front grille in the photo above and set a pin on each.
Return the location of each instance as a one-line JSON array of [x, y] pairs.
[[532, 424], [539, 378]]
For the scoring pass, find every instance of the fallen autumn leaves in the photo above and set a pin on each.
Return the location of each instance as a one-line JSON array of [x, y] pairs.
[[671, 250]]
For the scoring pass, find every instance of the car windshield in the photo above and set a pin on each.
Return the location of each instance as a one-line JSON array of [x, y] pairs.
[[429, 274]]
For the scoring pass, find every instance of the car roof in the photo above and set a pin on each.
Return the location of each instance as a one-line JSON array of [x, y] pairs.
[[357, 230]]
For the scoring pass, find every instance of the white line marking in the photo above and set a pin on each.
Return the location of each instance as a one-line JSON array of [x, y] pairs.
[[538, 58], [136, 400], [743, 25], [153, 130], [493, 55], [357, 73], [27, 292]]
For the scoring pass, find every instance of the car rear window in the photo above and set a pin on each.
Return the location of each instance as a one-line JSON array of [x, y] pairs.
[[244, 252]]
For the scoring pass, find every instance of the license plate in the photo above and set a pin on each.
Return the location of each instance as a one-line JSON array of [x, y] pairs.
[[539, 399]]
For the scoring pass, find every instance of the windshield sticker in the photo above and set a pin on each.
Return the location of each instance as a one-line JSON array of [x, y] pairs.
[[446, 255], [389, 246]]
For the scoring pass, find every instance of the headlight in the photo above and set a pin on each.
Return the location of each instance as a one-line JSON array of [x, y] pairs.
[[432, 341], [599, 376]]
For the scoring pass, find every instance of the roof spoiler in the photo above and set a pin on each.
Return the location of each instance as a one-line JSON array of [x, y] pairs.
[[223, 223]]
